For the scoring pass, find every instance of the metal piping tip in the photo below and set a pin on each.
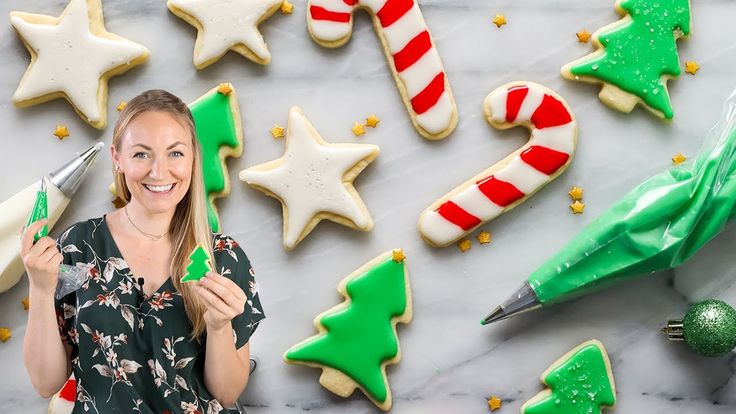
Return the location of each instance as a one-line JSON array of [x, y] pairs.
[[497, 315], [69, 177]]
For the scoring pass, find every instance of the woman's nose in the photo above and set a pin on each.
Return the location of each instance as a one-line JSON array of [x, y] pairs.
[[158, 169]]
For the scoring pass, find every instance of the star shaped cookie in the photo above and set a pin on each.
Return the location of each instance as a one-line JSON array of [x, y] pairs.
[[314, 180], [224, 25], [72, 57]]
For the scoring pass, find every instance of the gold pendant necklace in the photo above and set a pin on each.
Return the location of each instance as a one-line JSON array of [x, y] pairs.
[[153, 237]]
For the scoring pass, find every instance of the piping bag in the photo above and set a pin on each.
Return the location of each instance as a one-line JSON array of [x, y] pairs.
[[61, 185], [657, 225]]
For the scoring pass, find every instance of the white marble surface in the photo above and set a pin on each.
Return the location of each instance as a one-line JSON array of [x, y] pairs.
[[450, 363]]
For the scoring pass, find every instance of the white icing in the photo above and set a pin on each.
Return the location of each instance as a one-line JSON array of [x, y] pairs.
[[328, 31], [308, 178], [227, 23], [417, 76], [414, 78], [71, 59], [437, 118], [476, 203], [523, 176], [531, 102], [403, 30], [436, 229]]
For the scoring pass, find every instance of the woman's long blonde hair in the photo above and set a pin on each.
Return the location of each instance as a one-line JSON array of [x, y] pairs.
[[189, 225]]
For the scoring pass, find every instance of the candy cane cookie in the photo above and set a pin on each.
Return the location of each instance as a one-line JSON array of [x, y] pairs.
[[410, 51], [512, 180]]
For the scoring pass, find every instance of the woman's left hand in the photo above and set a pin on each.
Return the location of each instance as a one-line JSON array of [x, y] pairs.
[[222, 297]]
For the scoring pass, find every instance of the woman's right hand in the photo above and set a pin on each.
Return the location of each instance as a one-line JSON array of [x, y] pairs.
[[41, 259]]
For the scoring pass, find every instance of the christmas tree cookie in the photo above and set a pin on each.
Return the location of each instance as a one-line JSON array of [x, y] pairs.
[[581, 382], [200, 263], [636, 55], [357, 339]]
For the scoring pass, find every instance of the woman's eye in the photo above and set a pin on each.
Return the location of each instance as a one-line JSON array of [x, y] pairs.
[[140, 155], [177, 154]]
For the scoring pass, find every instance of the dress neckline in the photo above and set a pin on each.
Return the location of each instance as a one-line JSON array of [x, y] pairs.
[[118, 253]]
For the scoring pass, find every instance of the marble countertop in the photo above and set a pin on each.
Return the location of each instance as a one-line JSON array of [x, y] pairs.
[[450, 363]]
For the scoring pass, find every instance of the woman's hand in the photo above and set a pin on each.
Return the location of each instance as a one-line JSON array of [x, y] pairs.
[[41, 259], [223, 299]]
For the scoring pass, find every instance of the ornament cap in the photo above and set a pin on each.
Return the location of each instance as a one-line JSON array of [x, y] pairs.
[[673, 330]]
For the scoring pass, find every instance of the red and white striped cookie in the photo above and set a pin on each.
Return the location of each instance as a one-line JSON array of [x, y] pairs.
[[509, 182], [410, 51], [63, 401]]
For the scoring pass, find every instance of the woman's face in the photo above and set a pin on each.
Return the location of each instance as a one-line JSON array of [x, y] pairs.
[[156, 157]]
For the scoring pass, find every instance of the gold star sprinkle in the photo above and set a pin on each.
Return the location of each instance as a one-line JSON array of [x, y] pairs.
[[5, 334], [398, 256], [372, 121], [277, 132], [494, 403], [225, 88], [577, 207], [483, 237], [464, 245], [121, 106], [583, 36], [286, 7], [499, 20], [26, 303], [678, 159], [691, 67], [358, 129], [576, 193], [61, 132]]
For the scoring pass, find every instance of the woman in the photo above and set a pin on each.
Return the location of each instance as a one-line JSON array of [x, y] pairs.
[[136, 338]]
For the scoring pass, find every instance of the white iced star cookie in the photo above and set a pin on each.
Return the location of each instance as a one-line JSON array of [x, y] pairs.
[[224, 25], [314, 180], [72, 57]]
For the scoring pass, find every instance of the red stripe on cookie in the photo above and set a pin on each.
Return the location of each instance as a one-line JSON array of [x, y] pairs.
[[501, 193], [393, 10], [413, 51], [543, 159], [350, 2], [514, 98], [550, 113], [320, 13], [457, 216], [429, 95], [69, 391]]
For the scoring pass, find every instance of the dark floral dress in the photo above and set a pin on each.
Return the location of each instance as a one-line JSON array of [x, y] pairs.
[[132, 354]]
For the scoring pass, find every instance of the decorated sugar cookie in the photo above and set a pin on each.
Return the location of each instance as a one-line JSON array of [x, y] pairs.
[[224, 25], [357, 339], [72, 57], [636, 55], [200, 263], [409, 49], [511, 181], [63, 401], [581, 382], [314, 180], [220, 134]]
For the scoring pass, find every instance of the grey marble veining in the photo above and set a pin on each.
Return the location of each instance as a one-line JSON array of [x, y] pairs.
[[450, 363]]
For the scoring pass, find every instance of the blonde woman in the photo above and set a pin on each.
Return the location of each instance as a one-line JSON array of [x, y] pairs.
[[136, 339]]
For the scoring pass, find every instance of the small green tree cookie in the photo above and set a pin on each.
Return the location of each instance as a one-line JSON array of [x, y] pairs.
[[636, 55], [581, 382], [200, 263]]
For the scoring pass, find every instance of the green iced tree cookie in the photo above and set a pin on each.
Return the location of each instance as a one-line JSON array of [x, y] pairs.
[[199, 264]]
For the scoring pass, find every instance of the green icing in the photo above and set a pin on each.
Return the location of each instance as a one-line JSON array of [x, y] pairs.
[[40, 211], [215, 125], [198, 265], [658, 225], [579, 385], [636, 54], [359, 338]]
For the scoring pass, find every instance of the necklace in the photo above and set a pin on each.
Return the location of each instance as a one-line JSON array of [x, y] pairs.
[[153, 237]]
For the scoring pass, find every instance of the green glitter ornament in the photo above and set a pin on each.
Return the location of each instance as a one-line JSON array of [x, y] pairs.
[[708, 328]]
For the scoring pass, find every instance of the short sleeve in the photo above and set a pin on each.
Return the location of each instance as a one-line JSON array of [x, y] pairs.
[[70, 244], [231, 259]]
